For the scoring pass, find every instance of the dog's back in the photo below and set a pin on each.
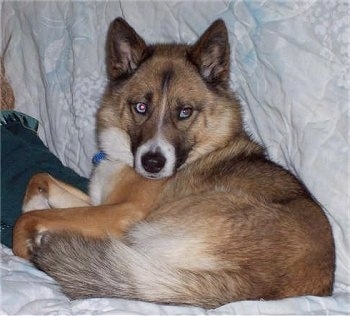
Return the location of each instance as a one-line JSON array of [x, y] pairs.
[[227, 225]]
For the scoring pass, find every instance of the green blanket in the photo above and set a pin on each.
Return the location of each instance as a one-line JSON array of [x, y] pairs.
[[22, 155]]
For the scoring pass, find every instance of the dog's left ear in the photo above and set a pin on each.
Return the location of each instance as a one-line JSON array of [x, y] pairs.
[[125, 50], [211, 54]]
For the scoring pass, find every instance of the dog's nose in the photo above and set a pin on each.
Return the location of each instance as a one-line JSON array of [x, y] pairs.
[[153, 162]]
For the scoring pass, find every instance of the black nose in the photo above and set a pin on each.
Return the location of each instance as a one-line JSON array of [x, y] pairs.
[[153, 162]]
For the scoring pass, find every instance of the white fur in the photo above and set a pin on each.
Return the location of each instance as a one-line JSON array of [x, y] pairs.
[[116, 144], [37, 202], [162, 112], [39, 235], [103, 180], [175, 247]]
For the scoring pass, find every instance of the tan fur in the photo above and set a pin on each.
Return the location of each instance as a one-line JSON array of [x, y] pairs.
[[203, 218]]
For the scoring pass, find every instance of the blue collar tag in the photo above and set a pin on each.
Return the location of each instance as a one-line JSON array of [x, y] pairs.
[[98, 157]]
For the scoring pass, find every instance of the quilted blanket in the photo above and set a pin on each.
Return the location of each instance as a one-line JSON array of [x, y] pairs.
[[290, 69]]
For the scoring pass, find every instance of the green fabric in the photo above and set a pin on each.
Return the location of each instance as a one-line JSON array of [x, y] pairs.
[[7, 117], [22, 155]]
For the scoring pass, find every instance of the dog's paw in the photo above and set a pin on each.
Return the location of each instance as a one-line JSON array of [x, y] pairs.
[[27, 234], [35, 241], [36, 197]]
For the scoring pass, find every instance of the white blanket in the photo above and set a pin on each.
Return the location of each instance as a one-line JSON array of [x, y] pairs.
[[290, 68]]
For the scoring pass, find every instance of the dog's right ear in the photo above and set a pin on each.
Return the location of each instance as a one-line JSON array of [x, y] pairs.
[[125, 50], [211, 55]]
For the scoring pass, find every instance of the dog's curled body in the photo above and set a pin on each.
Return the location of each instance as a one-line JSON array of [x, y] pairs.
[[208, 243], [225, 223]]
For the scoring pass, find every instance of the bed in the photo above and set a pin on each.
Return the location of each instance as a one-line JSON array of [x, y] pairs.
[[290, 69]]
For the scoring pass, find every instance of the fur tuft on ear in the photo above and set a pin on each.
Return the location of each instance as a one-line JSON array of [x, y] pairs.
[[125, 50], [211, 54]]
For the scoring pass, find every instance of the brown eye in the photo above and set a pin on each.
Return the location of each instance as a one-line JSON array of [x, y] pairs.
[[141, 108], [185, 113]]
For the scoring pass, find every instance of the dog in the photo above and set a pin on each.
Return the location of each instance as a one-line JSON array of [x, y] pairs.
[[185, 208]]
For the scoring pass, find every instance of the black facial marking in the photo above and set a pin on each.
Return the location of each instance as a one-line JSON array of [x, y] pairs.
[[149, 97], [136, 139], [167, 76], [181, 155]]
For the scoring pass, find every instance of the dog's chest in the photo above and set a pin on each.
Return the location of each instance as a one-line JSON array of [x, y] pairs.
[[103, 180]]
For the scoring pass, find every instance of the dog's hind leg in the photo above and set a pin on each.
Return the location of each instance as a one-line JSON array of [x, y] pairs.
[[44, 191]]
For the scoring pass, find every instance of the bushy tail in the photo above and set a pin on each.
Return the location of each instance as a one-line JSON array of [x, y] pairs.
[[109, 268]]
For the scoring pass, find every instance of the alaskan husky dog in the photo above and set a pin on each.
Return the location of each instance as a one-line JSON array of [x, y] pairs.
[[185, 208]]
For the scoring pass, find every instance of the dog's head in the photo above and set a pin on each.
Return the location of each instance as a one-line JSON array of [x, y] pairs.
[[167, 104]]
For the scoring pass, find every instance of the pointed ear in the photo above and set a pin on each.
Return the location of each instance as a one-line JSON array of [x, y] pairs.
[[211, 54], [125, 49]]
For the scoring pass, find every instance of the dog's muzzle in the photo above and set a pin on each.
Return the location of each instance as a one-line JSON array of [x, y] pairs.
[[155, 159]]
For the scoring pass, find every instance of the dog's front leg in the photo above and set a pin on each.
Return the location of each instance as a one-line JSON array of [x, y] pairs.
[[44, 191], [92, 221]]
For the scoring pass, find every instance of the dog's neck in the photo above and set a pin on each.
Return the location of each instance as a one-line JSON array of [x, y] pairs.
[[239, 148]]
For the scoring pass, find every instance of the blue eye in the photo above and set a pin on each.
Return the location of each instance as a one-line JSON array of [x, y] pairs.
[[141, 108], [185, 112]]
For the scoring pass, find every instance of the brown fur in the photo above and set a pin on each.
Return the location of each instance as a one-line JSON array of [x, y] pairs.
[[7, 98], [221, 223]]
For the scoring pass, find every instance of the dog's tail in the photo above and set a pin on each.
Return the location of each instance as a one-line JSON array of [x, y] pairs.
[[111, 268]]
